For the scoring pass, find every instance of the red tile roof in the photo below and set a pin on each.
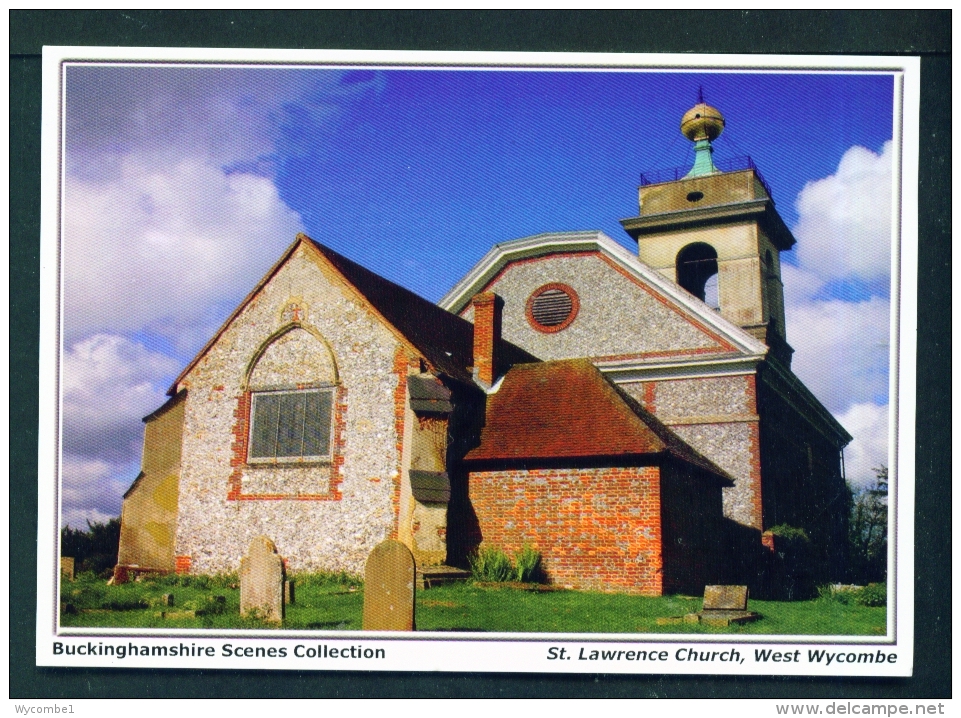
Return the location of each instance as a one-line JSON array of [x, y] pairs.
[[568, 409]]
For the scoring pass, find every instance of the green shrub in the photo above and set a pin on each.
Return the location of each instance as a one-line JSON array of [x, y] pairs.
[[93, 550], [527, 564], [838, 594], [491, 564], [874, 594], [789, 532]]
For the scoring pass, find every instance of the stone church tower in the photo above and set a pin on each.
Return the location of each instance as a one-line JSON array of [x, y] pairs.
[[717, 234]]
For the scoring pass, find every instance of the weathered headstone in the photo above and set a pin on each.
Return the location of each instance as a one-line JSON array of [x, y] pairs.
[[167, 599], [66, 567], [389, 588], [725, 598], [723, 605], [262, 581]]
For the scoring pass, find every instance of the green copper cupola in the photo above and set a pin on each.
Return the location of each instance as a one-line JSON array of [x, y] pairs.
[[701, 125]]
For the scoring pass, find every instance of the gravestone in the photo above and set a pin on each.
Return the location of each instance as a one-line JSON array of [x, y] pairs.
[[167, 599], [723, 605], [389, 588], [66, 567], [725, 598], [262, 581]]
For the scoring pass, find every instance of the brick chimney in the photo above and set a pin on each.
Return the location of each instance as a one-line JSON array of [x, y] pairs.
[[488, 308]]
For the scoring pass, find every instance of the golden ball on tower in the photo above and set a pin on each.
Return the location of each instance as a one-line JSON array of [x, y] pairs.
[[702, 122]]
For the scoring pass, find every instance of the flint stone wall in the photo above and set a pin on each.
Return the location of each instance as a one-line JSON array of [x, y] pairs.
[[333, 534], [617, 317], [716, 416]]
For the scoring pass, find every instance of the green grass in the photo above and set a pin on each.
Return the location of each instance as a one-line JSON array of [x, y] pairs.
[[335, 603]]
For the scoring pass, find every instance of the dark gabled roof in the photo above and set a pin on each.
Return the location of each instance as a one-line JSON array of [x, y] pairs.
[[569, 410], [444, 339]]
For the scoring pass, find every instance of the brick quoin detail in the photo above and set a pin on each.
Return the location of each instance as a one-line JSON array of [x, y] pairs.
[[182, 564], [239, 447], [404, 364], [650, 394], [597, 529]]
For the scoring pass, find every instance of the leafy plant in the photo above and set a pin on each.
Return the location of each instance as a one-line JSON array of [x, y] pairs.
[[874, 594], [489, 563], [527, 563], [94, 549], [792, 533], [838, 594], [868, 530]]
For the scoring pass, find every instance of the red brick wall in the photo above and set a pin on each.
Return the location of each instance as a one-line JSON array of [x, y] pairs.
[[597, 528]]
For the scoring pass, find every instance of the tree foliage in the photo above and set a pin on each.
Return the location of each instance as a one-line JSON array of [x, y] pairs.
[[94, 549], [868, 531]]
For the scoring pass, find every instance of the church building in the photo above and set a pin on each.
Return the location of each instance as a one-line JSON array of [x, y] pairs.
[[633, 417]]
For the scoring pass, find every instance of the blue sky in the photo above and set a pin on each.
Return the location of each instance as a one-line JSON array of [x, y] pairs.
[[185, 184]]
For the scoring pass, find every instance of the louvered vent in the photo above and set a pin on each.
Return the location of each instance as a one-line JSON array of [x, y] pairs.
[[552, 307]]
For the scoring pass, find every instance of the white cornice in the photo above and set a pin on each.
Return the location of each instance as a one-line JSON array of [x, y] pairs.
[[622, 372], [539, 245]]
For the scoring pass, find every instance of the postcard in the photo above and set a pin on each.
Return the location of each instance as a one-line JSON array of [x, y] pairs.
[[412, 361]]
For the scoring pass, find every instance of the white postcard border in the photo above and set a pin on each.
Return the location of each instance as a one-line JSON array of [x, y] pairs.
[[489, 652]]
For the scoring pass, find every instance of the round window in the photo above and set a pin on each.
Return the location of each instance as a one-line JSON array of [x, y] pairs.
[[552, 307]]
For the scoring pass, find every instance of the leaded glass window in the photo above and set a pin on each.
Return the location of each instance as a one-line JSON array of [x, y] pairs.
[[291, 425]]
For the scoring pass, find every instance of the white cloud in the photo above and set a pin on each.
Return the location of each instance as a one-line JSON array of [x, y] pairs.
[[92, 490], [224, 114], [868, 423], [841, 349], [156, 245], [160, 238], [844, 220], [109, 384]]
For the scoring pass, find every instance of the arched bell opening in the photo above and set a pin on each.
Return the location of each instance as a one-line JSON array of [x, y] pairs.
[[697, 272]]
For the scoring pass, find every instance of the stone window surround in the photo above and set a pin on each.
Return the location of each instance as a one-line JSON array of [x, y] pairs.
[[239, 462]]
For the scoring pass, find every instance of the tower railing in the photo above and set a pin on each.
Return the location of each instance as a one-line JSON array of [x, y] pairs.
[[734, 164]]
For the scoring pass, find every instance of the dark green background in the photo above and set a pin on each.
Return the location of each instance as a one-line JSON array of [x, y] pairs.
[[924, 33]]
